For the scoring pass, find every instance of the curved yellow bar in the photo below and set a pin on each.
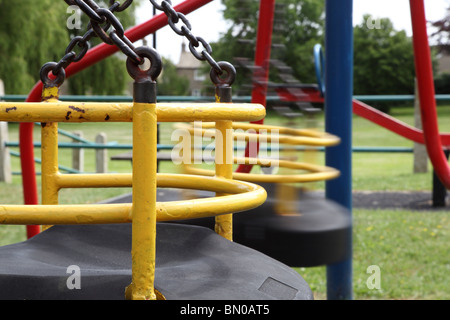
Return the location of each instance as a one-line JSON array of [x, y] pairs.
[[65, 214], [315, 172], [269, 128], [122, 112], [284, 136], [241, 196]]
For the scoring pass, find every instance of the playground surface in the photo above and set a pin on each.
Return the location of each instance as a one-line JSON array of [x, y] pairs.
[[408, 200]]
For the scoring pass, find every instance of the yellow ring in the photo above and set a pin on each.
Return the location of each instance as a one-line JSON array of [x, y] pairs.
[[288, 136], [316, 172], [242, 196]]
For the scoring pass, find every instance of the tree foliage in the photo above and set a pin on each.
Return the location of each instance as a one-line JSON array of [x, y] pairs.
[[383, 59], [170, 83], [441, 36], [383, 56], [35, 32], [442, 32], [31, 34]]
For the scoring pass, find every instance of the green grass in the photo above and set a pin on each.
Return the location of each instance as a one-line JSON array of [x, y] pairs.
[[410, 247]]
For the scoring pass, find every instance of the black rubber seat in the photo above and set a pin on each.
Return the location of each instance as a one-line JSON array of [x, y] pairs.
[[317, 235], [316, 231], [192, 263]]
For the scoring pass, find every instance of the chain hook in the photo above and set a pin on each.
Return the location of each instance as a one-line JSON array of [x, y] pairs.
[[224, 78], [152, 73], [45, 75]]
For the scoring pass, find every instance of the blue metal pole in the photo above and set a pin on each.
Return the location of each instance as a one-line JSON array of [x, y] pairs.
[[338, 121]]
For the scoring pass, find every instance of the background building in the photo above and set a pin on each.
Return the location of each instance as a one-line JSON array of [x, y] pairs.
[[191, 68]]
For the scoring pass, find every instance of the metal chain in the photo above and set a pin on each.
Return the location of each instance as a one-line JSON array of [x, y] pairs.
[[185, 30], [101, 19]]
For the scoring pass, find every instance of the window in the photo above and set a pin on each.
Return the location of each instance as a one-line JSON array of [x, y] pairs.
[[198, 75]]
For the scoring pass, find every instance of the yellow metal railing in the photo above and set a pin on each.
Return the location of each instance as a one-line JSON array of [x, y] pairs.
[[144, 211], [258, 133]]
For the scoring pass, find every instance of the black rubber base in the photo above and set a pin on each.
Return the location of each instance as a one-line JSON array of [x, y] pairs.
[[315, 231], [193, 263]]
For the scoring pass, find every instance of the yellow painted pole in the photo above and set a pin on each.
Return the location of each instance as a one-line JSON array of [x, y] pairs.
[[49, 153], [144, 181], [224, 160], [144, 201]]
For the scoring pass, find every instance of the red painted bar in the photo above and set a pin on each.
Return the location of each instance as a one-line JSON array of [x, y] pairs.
[[424, 75], [262, 56]]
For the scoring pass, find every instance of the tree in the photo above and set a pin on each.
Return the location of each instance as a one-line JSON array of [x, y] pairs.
[[31, 34], [441, 36], [35, 32], [298, 26], [442, 32], [383, 59]]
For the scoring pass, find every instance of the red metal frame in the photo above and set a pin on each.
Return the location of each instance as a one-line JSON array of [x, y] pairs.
[[424, 75], [386, 121], [262, 56], [93, 56]]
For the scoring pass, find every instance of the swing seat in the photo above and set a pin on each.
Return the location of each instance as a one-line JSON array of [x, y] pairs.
[[314, 231], [316, 234], [192, 263]]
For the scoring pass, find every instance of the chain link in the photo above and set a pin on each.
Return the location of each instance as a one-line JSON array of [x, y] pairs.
[[174, 17], [101, 20]]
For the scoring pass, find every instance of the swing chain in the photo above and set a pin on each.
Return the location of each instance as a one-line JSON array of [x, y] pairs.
[[185, 30], [101, 16], [101, 19]]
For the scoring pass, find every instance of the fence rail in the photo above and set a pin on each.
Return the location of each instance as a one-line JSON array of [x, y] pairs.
[[80, 143], [75, 98]]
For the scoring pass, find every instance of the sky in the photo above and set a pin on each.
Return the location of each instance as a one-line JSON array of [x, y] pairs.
[[207, 22]]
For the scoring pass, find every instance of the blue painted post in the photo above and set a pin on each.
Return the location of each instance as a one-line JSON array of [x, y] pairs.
[[338, 121]]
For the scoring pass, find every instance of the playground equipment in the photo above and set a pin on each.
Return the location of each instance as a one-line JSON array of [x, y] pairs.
[[208, 265], [317, 227], [290, 215], [338, 101]]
